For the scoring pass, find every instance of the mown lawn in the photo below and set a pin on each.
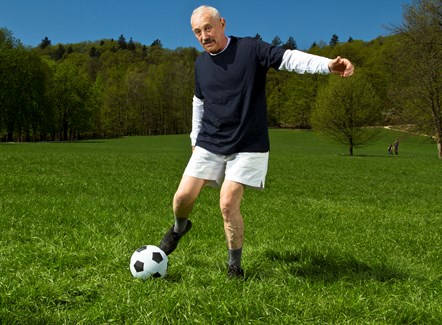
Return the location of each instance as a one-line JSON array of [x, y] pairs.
[[332, 238]]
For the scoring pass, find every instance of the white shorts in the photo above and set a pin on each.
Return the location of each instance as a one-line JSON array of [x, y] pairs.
[[247, 168]]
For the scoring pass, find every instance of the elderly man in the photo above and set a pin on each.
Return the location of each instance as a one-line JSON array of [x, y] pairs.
[[229, 137]]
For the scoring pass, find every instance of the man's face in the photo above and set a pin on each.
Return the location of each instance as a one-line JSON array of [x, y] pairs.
[[209, 31]]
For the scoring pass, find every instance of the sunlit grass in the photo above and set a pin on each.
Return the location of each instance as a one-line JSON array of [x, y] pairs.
[[331, 239]]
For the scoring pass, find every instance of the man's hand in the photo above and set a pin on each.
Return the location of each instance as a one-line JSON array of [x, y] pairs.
[[342, 67]]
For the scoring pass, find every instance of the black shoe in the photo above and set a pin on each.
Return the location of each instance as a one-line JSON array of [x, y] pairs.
[[235, 272], [171, 239]]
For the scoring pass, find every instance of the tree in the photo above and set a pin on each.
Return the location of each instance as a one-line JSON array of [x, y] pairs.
[[345, 109], [143, 52], [71, 93], [113, 89], [416, 84], [334, 40], [131, 45], [157, 43], [59, 52], [290, 44], [23, 81], [93, 52], [45, 42], [122, 45], [7, 40], [276, 41]]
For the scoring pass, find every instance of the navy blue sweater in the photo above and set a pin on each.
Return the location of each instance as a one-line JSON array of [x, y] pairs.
[[232, 85]]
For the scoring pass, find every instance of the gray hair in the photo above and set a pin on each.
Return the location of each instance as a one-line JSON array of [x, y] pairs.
[[213, 11]]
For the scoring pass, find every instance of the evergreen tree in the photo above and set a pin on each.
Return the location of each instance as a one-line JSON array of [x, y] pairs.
[[276, 41], [122, 45], [157, 43], [131, 45], [290, 44], [45, 42], [334, 40]]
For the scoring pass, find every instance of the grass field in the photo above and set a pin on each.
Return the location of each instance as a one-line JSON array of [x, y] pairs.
[[332, 238]]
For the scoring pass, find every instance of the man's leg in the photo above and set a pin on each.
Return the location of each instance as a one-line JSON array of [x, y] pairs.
[[186, 195], [230, 202], [183, 202]]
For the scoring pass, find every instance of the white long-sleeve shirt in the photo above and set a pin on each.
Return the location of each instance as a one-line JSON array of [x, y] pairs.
[[293, 61]]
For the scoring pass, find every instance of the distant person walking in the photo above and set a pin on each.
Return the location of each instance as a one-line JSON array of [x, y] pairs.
[[396, 147], [390, 149]]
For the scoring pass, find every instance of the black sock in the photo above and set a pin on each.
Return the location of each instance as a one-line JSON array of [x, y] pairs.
[[235, 257], [180, 225]]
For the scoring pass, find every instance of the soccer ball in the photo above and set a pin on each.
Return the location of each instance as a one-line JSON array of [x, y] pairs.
[[148, 261]]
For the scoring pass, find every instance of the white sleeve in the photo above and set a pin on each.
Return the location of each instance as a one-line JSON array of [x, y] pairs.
[[197, 117], [301, 62]]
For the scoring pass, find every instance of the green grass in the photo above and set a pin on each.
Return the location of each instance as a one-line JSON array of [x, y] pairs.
[[332, 238]]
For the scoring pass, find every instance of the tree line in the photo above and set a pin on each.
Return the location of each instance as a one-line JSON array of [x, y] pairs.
[[112, 88]]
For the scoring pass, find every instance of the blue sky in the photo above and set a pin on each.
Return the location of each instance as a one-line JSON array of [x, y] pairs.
[[72, 21]]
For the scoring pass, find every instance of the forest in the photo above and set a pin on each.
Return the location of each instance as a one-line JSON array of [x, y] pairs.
[[112, 88]]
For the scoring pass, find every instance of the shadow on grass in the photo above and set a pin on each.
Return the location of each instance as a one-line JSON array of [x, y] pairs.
[[364, 155], [329, 267]]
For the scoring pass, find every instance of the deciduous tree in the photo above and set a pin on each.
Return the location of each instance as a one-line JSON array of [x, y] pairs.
[[416, 68], [346, 109]]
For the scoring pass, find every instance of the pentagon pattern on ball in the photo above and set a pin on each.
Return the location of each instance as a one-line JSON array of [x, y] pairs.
[[142, 248], [156, 256], [139, 266]]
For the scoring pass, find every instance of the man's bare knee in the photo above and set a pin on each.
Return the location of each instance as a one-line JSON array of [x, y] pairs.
[[183, 199]]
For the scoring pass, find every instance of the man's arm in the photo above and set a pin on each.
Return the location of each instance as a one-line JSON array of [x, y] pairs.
[[197, 117], [301, 62]]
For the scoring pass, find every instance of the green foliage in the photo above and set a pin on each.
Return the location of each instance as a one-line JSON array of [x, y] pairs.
[[71, 95], [345, 108], [416, 79], [330, 240], [7, 40], [23, 82]]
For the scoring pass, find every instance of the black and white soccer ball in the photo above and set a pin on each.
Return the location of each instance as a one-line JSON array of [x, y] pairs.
[[148, 261]]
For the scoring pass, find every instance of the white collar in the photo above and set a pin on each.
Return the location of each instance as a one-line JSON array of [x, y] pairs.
[[228, 42]]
